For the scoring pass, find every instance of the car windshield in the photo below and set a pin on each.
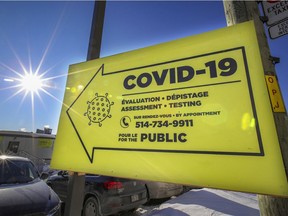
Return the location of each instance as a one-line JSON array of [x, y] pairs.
[[17, 172]]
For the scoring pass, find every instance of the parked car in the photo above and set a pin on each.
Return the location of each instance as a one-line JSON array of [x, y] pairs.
[[22, 192], [160, 190], [104, 195]]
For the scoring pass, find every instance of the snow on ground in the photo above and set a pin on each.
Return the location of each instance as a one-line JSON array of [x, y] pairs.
[[204, 202]]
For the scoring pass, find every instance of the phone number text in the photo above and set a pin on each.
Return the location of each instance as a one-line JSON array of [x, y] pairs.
[[166, 123]]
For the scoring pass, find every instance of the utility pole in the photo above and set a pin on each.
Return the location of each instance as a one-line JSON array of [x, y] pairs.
[[94, 47], [76, 185], [241, 11]]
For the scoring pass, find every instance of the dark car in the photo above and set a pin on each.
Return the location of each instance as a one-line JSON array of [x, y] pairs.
[[160, 190], [22, 192], [104, 195]]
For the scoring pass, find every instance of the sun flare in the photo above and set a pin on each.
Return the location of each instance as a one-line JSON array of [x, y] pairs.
[[31, 83]]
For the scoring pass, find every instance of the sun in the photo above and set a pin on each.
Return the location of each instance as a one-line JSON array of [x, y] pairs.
[[28, 83], [31, 83]]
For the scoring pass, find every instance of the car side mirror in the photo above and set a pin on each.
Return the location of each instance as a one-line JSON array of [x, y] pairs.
[[44, 176], [63, 173]]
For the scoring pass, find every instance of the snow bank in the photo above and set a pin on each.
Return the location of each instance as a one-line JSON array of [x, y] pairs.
[[204, 202]]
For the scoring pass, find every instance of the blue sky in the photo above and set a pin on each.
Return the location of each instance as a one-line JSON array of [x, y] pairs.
[[47, 37]]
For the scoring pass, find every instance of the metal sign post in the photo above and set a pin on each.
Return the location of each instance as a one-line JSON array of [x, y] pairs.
[[76, 185]]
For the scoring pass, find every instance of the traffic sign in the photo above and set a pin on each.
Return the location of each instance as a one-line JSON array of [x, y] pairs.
[[275, 11], [194, 111], [279, 29]]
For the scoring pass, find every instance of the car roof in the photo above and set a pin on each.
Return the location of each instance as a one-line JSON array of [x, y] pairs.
[[10, 157]]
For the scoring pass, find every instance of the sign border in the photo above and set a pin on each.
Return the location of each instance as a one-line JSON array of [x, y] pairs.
[[272, 26], [242, 49], [269, 22]]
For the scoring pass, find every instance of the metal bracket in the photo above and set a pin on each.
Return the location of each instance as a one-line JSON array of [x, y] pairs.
[[275, 60], [264, 19]]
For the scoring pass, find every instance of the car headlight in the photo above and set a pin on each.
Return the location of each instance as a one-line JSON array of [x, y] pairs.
[[56, 211]]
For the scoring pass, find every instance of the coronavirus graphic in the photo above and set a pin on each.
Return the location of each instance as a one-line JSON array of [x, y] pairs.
[[98, 109]]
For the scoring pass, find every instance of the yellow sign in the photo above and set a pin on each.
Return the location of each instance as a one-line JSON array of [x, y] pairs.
[[45, 143], [275, 94], [194, 111]]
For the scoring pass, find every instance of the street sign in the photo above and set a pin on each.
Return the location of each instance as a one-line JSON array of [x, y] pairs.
[[275, 11], [194, 111], [279, 29], [275, 94]]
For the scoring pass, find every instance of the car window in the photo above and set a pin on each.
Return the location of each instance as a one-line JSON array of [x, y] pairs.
[[13, 146], [17, 172]]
